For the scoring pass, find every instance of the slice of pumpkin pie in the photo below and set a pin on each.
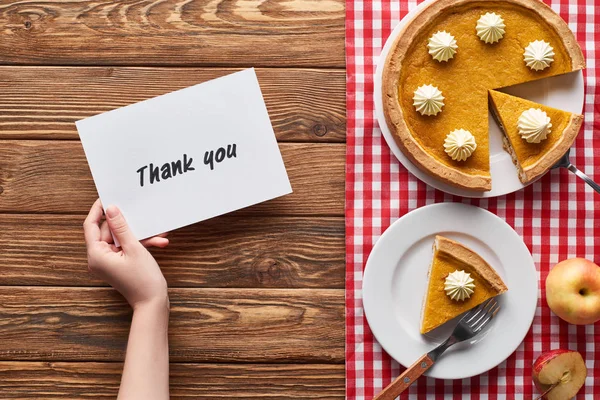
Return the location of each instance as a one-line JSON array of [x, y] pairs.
[[459, 279], [536, 136]]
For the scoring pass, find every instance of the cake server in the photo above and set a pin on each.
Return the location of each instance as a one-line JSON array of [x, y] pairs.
[[565, 163]]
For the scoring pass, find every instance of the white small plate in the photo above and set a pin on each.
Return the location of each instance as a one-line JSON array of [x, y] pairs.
[[565, 92], [395, 281]]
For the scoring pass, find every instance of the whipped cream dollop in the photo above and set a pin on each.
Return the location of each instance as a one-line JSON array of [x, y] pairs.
[[490, 27], [460, 144], [538, 55], [459, 285], [442, 46], [428, 100], [534, 125]]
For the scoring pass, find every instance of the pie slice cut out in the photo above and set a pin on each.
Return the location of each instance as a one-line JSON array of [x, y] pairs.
[[533, 159], [449, 256]]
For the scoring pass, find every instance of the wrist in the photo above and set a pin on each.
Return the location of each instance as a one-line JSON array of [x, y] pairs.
[[156, 305]]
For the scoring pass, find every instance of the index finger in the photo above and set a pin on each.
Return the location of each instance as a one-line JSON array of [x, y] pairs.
[[91, 225]]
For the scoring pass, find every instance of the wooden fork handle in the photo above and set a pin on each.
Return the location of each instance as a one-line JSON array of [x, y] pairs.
[[401, 383]]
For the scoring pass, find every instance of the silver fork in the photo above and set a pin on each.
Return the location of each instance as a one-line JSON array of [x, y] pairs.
[[469, 325], [564, 162]]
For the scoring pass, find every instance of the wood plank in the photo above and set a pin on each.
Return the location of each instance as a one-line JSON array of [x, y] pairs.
[[206, 325], [53, 177], [44, 102], [173, 32], [68, 380], [228, 251]]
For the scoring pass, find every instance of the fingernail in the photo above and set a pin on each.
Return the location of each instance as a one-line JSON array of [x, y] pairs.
[[112, 212]]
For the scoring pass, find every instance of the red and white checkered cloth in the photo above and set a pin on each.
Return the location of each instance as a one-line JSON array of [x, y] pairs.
[[558, 217]]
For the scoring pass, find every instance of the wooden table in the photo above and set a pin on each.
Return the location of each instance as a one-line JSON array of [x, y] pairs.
[[257, 296]]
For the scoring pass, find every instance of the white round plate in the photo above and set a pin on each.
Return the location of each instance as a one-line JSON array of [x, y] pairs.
[[395, 280], [565, 92]]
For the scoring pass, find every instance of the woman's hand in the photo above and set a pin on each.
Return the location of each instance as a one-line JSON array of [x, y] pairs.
[[130, 269]]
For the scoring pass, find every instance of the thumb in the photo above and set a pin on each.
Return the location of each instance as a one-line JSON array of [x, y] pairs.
[[119, 228]]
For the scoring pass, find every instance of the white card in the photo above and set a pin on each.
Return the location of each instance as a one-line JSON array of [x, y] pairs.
[[186, 156]]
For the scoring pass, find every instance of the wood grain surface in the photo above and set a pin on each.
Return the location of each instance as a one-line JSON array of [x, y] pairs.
[[173, 32], [257, 299], [85, 380], [44, 102], [206, 325], [229, 251], [53, 177]]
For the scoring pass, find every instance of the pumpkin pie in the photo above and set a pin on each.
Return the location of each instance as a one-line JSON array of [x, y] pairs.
[[450, 256], [464, 80], [533, 159]]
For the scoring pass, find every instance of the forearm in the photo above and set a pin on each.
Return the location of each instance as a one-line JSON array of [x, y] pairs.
[[146, 370]]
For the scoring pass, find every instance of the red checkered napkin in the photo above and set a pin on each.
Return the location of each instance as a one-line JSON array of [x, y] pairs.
[[558, 217]]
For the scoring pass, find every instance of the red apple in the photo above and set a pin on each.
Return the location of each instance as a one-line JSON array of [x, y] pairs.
[[565, 368], [573, 291]]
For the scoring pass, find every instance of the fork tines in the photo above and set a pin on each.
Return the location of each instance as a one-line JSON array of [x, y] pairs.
[[481, 315]]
